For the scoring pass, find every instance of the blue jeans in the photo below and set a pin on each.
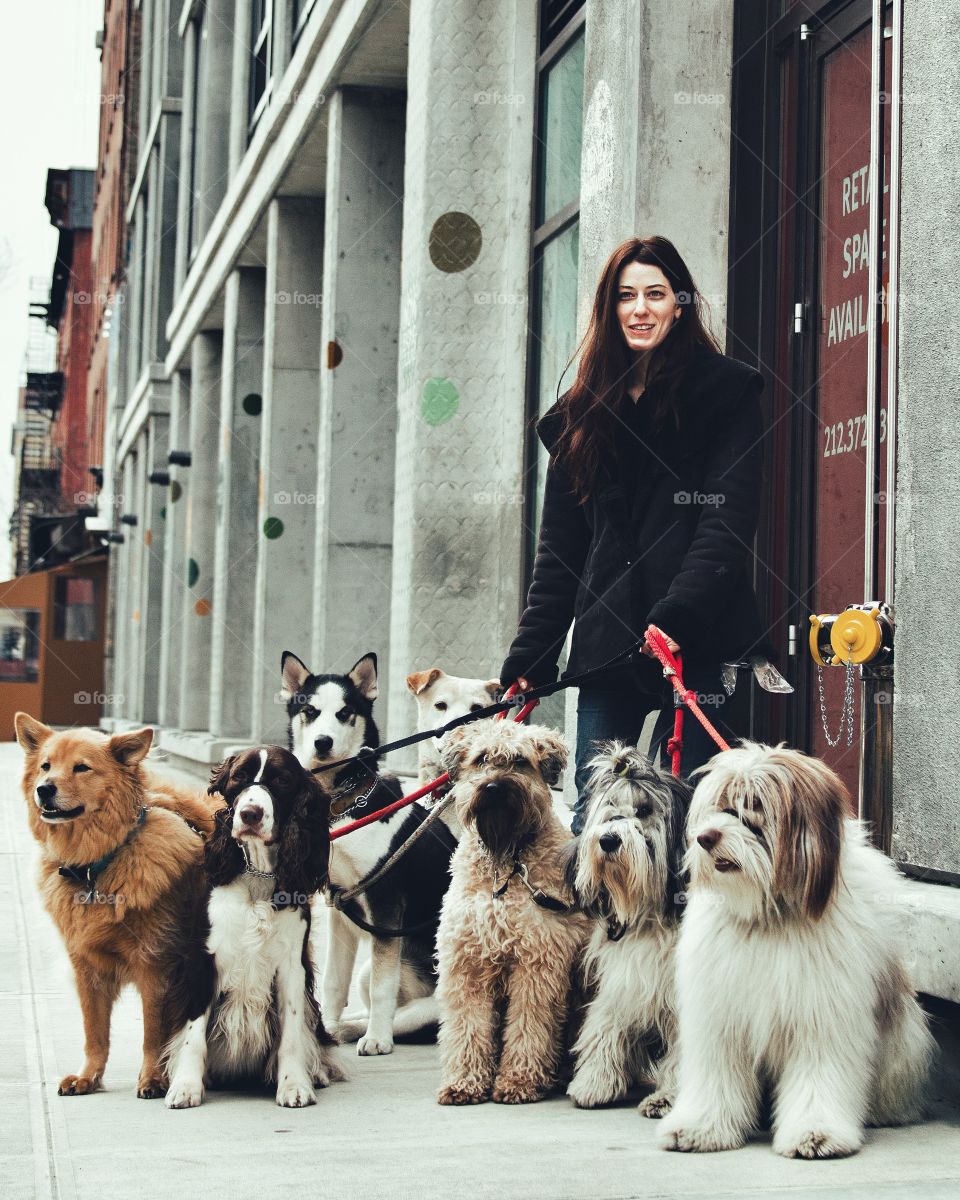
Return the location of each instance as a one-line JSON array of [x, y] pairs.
[[618, 710]]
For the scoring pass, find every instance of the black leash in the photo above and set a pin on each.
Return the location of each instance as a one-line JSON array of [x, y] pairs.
[[368, 756]]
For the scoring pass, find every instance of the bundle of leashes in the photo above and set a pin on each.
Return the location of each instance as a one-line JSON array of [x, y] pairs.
[[654, 638]]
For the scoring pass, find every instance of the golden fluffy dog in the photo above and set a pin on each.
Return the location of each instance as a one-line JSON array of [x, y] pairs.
[[121, 875], [508, 937]]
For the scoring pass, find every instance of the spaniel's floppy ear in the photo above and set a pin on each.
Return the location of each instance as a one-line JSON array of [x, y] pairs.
[[219, 776], [222, 857], [303, 854], [454, 748], [807, 859], [553, 752], [419, 681], [294, 674], [31, 733]]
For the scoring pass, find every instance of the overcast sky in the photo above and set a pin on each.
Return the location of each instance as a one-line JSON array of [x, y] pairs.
[[50, 106]]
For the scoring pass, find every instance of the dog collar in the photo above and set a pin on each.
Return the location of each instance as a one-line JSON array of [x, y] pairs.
[[88, 873], [538, 895], [359, 802], [250, 869]]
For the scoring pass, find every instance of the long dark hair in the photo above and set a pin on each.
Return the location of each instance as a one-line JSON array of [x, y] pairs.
[[591, 406]]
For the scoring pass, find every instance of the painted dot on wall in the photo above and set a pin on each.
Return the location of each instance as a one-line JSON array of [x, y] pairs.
[[438, 401], [163, 513], [147, 537], [272, 528], [176, 491], [252, 404], [136, 614], [202, 608], [334, 354], [455, 242], [193, 572]]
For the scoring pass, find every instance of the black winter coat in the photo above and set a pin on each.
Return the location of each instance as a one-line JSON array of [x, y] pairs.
[[666, 537]]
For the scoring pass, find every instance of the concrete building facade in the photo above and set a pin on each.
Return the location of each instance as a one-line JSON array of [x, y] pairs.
[[364, 241]]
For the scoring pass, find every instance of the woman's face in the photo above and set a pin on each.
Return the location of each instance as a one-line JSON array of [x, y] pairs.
[[646, 306]]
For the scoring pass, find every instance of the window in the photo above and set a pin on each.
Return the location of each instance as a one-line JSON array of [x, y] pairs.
[[74, 610], [19, 645], [300, 13], [260, 66], [199, 24]]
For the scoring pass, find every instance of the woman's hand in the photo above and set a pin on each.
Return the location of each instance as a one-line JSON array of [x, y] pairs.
[[672, 646], [523, 685]]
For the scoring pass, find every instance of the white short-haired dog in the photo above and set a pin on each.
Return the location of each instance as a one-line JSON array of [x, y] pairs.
[[627, 874], [440, 698], [788, 966]]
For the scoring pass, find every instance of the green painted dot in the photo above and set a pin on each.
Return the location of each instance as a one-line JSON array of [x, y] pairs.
[[176, 491], [193, 572], [272, 528], [455, 242], [163, 513], [439, 401], [252, 404]]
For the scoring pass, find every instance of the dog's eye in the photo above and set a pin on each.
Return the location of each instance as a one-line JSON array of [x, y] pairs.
[[309, 713], [80, 767], [45, 766], [344, 714], [282, 779], [441, 706], [644, 810], [480, 760]]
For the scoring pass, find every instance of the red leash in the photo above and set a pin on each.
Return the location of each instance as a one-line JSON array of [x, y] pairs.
[[427, 788], [672, 665]]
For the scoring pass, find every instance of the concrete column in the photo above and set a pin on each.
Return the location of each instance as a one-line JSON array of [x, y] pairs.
[[656, 137], [122, 673], [463, 317], [173, 513], [288, 449], [241, 403], [213, 127], [163, 203], [240, 81], [151, 533], [926, 818], [358, 378], [197, 565]]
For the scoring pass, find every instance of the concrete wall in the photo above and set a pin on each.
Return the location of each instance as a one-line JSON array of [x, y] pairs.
[[926, 830]]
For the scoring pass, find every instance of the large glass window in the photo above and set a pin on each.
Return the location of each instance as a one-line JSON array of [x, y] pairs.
[[75, 610], [19, 645], [260, 65]]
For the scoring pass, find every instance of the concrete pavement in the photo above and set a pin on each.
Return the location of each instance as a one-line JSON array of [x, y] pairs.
[[379, 1135]]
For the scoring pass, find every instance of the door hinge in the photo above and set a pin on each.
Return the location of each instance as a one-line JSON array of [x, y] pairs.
[[792, 640], [805, 32], [798, 317]]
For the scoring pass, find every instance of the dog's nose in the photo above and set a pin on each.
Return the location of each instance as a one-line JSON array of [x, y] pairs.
[[709, 839], [493, 791], [251, 814], [46, 791], [323, 746], [610, 842]]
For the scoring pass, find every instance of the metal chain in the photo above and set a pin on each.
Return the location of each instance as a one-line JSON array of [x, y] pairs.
[[846, 713]]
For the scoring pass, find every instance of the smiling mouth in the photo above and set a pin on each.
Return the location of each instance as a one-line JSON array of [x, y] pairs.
[[54, 815]]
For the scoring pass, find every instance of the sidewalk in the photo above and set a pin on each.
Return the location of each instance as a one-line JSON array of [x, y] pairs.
[[380, 1135]]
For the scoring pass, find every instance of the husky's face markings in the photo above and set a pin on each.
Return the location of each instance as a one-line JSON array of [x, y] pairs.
[[330, 715]]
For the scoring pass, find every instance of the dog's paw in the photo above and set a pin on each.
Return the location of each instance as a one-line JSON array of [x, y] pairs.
[[151, 1087], [185, 1093], [818, 1143], [696, 1137], [587, 1092], [77, 1085], [371, 1044], [656, 1105], [295, 1093], [517, 1091], [462, 1093]]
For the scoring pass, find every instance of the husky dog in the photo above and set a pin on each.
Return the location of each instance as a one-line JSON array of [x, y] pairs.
[[331, 718]]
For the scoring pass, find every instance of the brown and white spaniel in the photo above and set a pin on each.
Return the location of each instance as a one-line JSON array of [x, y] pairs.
[[267, 857]]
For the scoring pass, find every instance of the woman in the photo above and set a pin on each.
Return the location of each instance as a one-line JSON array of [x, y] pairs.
[[649, 513]]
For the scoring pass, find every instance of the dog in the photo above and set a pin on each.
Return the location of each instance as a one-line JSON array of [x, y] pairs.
[[331, 718], [440, 698], [121, 875], [788, 968], [626, 870], [508, 936], [266, 859]]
